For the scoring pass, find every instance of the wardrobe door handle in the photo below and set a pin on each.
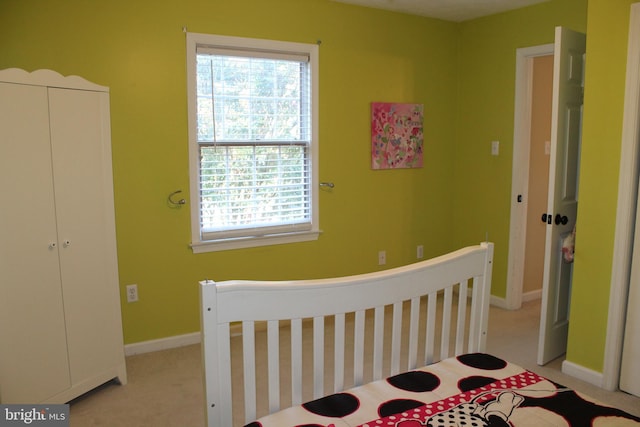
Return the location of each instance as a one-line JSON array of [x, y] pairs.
[[53, 245]]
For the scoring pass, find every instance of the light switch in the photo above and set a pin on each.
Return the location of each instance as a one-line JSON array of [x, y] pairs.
[[495, 148]]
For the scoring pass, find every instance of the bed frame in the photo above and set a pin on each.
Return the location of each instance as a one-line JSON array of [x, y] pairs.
[[434, 309]]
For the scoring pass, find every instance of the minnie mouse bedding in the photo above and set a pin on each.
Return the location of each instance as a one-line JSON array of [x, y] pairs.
[[471, 390]]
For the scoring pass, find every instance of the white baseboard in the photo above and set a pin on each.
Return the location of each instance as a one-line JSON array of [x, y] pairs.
[[162, 344], [585, 374], [502, 302], [498, 302], [532, 295]]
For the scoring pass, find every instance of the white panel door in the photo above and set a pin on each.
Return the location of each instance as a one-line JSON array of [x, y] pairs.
[[80, 135], [31, 308], [562, 205]]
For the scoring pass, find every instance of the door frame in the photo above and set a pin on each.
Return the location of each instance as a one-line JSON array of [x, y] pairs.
[[520, 172], [626, 208]]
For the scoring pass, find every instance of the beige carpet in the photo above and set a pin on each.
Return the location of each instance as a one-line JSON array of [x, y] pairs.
[[165, 388]]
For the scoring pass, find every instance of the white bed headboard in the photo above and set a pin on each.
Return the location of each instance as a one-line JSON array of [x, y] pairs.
[[420, 300]]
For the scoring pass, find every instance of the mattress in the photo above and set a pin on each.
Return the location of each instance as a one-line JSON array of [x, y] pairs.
[[470, 390]]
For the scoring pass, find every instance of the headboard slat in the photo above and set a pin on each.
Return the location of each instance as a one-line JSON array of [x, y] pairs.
[[249, 366], [462, 317], [358, 348], [378, 342], [431, 328], [273, 345], [446, 322], [412, 360], [318, 357], [396, 338], [296, 361], [338, 363]]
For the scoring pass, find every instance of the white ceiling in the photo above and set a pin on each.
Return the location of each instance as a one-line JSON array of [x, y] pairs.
[[448, 10]]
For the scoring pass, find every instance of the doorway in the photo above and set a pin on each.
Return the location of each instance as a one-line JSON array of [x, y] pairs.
[[560, 217], [524, 221], [538, 182]]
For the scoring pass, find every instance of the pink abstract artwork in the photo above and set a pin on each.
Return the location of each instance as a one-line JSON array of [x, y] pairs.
[[396, 135]]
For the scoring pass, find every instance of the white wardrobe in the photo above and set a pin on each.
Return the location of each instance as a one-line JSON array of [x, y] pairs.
[[60, 319]]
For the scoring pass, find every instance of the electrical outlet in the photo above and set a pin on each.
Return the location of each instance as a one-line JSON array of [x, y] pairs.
[[420, 252], [132, 293], [382, 257]]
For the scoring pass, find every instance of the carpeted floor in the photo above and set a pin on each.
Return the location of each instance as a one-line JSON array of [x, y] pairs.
[[165, 387]]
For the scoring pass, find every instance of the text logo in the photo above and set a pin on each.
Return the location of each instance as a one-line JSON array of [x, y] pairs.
[[34, 415]]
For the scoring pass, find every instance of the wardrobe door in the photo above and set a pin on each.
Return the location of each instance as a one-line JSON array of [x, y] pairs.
[[33, 349], [80, 135]]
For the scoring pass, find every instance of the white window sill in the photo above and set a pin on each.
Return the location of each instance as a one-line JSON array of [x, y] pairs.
[[250, 242]]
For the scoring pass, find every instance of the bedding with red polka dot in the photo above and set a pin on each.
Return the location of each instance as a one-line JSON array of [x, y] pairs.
[[471, 390]]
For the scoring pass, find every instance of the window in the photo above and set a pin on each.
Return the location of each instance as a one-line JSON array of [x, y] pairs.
[[252, 141]]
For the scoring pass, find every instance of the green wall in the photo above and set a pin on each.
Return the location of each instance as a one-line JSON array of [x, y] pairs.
[[607, 37], [486, 108], [486, 111], [463, 73], [137, 48]]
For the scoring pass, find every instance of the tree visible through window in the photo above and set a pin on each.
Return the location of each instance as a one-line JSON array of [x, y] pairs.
[[254, 136]]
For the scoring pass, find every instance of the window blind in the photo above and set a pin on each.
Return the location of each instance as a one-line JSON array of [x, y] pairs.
[[254, 136]]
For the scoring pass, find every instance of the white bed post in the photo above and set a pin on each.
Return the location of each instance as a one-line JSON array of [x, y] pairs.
[[218, 405], [485, 297]]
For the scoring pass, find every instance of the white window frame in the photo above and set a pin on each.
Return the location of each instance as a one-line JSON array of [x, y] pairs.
[[195, 40]]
